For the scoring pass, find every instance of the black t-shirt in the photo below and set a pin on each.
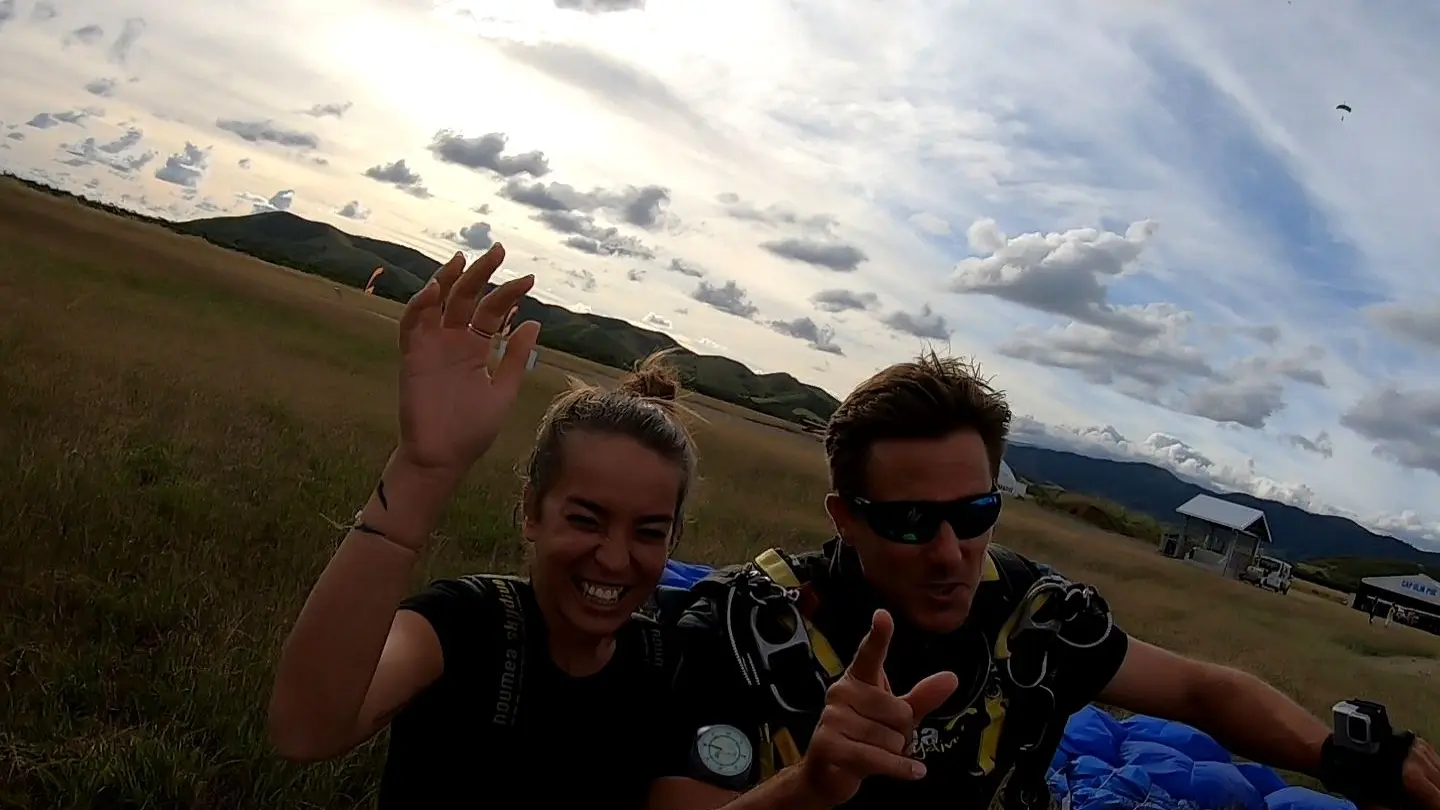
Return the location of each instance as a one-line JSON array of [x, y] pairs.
[[504, 721], [968, 745]]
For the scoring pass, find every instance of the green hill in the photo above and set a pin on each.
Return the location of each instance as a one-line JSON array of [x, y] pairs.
[[282, 238], [1345, 573], [315, 247]]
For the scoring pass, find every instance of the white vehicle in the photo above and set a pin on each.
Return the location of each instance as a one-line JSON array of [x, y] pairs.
[[1268, 573]]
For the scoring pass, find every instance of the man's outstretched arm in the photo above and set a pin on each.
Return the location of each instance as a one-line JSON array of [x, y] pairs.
[[1256, 721], [1243, 713]]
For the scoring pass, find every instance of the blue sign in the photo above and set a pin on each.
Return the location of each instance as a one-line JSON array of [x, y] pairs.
[[1422, 588]]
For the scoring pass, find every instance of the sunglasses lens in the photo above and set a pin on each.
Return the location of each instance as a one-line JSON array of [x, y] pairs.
[[909, 523], [972, 518]]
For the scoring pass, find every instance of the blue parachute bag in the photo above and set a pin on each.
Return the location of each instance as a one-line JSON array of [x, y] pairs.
[[678, 578], [1146, 763], [683, 575]]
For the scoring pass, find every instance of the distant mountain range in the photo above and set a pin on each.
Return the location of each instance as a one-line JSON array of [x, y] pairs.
[[315, 247], [1298, 535]]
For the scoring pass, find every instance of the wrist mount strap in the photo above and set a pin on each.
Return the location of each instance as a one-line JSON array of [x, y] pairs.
[[1376, 777]]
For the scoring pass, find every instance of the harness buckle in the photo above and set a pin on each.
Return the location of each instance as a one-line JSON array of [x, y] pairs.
[[780, 648], [1059, 608]]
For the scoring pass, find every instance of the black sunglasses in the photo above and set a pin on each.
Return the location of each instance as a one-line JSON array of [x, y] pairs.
[[917, 522]]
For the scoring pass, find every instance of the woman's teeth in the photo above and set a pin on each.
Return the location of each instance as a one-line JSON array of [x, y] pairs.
[[605, 595]]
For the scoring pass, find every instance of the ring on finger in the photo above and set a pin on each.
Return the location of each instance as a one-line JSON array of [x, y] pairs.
[[480, 332]]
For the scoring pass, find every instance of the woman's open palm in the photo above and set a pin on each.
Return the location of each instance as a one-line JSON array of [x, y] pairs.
[[451, 405]]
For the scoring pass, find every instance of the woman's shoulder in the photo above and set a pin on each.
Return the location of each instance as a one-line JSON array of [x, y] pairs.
[[473, 613], [473, 593]]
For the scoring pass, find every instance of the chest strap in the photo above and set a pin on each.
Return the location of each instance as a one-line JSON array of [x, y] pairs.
[[778, 748]]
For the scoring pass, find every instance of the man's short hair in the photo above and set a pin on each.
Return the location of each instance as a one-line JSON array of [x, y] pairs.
[[930, 397]]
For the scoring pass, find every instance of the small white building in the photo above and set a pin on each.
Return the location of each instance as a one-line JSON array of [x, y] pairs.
[[1007, 482], [1218, 534]]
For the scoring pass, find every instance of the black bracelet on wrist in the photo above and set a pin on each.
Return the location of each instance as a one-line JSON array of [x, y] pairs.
[[359, 525]]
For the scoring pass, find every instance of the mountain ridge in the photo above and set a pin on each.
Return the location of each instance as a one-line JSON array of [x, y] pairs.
[[287, 239], [1298, 535]]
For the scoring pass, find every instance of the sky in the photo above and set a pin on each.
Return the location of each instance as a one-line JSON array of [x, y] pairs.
[[1152, 226]]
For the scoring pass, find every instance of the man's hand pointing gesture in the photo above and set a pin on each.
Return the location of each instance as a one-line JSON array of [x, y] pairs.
[[865, 728]]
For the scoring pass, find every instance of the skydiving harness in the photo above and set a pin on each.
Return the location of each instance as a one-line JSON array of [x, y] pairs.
[[513, 638], [767, 619], [772, 630], [519, 619]]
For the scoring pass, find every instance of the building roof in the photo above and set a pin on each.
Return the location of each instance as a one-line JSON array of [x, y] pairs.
[[1242, 519], [1414, 586], [1007, 480]]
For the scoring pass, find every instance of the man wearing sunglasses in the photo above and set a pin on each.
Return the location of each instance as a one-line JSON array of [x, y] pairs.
[[913, 663]]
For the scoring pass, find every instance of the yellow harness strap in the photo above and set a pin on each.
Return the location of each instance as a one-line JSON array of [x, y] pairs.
[[995, 707], [767, 754], [773, 564], [781, 744], [778, 750], [988, 570], [787, 749]]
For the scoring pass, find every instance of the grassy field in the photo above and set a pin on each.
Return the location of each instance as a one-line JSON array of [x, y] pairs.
[[180, 423]]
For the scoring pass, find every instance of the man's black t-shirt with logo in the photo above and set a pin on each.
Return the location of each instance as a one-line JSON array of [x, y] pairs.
[[503, 721], [1009, 709]]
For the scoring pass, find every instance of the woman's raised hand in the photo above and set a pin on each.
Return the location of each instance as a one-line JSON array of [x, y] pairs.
[[451, 406]]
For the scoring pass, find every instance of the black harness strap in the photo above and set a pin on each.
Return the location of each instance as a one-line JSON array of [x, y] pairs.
[[519, 616], [506, 679]]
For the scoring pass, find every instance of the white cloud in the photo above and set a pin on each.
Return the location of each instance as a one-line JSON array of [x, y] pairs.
[[353, 210], [186, 167], [1154, 220], [279, 201]]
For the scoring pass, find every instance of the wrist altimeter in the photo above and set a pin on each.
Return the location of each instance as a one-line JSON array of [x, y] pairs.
[[723, 756], [1364, 757]]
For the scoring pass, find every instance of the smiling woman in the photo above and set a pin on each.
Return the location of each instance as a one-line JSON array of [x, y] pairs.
[[481, 672]]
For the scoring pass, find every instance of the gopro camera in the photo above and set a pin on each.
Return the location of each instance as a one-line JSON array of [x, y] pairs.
[[1360, 725]]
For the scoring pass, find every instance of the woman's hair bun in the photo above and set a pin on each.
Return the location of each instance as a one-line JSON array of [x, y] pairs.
[[654, 377]]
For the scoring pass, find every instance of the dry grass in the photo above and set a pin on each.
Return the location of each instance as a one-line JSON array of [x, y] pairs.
[[182, 422], [1314, 590]]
